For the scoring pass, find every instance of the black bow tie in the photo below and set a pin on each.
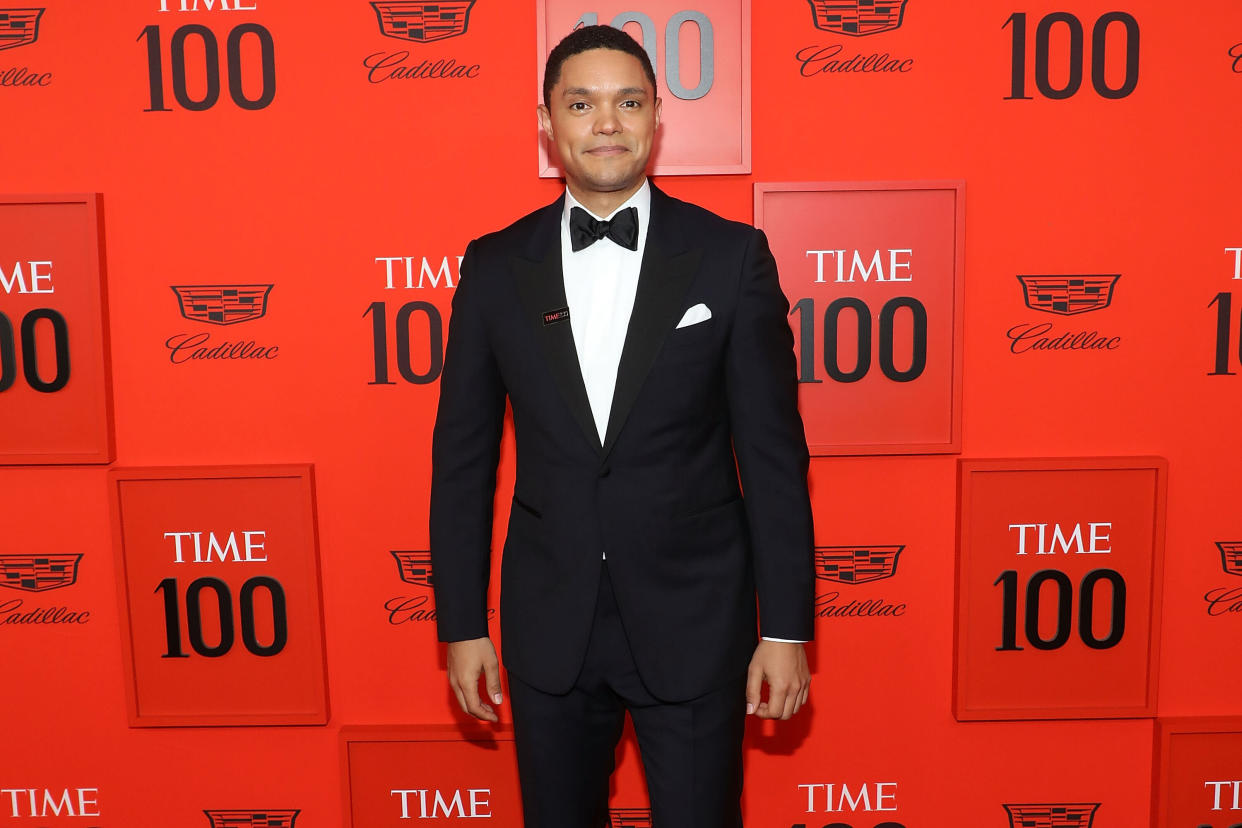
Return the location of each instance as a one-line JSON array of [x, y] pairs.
[[584, 230]]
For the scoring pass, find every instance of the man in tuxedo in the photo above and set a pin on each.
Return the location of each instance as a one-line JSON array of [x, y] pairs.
[[643, 345]]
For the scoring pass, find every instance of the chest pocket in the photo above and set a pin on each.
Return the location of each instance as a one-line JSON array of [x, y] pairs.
[[692, 338]]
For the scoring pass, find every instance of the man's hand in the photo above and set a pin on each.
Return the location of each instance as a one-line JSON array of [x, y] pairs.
[[783, 666], [466, 661]]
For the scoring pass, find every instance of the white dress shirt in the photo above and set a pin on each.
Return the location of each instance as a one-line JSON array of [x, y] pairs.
[[600, 284]]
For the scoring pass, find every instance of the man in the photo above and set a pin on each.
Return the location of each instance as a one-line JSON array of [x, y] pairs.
[[643, 345]]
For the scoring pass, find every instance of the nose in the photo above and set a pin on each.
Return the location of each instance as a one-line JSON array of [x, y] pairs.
[[607, 123]]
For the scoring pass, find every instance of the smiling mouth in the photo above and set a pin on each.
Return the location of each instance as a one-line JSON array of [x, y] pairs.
[[609, 150]]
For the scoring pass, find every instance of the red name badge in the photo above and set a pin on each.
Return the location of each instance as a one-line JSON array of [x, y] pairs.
[[873, 274], [1058, 588], [1199, 773], [396, 776], [701, 59], [219, 583], [55, 392]]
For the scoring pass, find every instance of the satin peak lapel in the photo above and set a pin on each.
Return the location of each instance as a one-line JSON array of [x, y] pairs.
[[668, 269], [541, 288]]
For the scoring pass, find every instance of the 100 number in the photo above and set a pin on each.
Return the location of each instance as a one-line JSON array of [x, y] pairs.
[[672, 47], [1224, 318], [211, 67], [805, 308], [29, 360], [378, 311], [224, 606], [1008, 581], [1099, 54]]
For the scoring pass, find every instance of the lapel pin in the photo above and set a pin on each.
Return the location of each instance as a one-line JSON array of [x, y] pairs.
[[553, 316]]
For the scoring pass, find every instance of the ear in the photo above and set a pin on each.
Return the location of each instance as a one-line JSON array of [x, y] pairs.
[[545, 121], [659, 104]]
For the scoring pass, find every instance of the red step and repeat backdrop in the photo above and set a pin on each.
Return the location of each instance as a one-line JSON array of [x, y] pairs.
[[1012, 244]]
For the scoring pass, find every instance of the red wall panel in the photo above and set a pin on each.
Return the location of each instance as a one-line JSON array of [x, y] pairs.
[[350, 169]]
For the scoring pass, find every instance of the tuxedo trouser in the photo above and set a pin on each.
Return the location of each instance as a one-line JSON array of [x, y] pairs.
[[691, 751]]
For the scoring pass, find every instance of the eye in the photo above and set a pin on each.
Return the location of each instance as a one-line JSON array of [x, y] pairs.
[[578, 106], [630, 104]]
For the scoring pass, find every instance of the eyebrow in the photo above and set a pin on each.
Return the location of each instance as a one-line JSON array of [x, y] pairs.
[[582, 91]]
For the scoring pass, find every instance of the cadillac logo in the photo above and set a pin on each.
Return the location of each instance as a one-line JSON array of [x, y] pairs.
[[423, 22], [38, 573], [1231, 556], [630, 818], [1068, 295], [856, 565], [861, 17], [414, 567], [19, 27], [252, 819], [1052, 816], [222, 304]]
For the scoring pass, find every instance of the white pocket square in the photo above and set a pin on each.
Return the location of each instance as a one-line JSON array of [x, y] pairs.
[[695, 315]]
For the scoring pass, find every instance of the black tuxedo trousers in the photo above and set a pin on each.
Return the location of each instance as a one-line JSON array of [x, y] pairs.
[[701, 415], [691, 750]]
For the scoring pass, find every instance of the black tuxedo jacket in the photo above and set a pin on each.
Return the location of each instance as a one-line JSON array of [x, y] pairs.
[[660, 497]]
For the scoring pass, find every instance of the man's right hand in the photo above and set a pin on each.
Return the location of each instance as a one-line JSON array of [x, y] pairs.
[[466, 661]]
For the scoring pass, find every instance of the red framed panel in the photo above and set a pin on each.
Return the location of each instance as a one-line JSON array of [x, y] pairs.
[[395, 776], [55, 380], [706, 112], [1059, 576], [1198, 773], [873, 274], [220, 590]]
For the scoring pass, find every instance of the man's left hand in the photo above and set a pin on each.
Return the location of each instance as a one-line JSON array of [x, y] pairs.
[[783, 666]]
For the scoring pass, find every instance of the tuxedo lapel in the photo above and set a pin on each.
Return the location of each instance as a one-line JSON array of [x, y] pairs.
[[667, 269], [541, 290]]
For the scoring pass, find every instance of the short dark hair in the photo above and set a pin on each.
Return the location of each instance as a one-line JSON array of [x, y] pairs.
[[584, 39]]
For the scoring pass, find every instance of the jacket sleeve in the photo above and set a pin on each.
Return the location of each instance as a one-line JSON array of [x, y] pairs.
[[770, 446], [465, 448]]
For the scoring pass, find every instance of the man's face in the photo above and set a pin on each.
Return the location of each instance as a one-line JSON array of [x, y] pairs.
[[602, 117]]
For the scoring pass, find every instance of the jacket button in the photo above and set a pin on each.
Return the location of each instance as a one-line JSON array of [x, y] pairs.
[[605, 471]]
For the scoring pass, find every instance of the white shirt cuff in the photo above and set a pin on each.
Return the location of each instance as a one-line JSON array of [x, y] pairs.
[[783, 640]]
